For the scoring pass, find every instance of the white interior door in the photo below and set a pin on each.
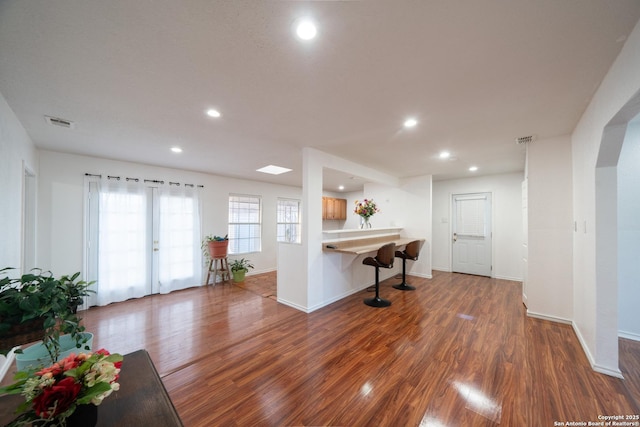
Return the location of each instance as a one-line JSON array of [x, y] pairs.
[[471, 227]]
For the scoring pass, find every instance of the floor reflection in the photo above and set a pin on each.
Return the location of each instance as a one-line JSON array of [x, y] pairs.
[[478, 402]]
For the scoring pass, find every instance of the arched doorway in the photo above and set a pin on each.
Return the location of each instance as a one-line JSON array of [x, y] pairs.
[[618, 231]]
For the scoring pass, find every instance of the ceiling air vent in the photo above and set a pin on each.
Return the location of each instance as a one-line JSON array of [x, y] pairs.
[[56, 121], [525, 139]]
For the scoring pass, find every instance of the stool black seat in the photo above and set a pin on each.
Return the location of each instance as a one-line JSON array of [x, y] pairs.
[[384, 258], [411, 251]]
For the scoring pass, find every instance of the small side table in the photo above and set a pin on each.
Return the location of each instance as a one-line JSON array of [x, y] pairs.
[[141, 401], [219, 266]]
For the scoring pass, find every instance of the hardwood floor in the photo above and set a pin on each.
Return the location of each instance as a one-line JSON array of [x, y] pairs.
[[458, 351], [629, 352]]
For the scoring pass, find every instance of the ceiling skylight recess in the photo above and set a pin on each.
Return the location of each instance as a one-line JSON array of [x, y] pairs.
[[273, 170]]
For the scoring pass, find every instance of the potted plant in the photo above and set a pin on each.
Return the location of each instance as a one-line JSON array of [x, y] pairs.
[[38, 306], [214, 246], [239, 268]]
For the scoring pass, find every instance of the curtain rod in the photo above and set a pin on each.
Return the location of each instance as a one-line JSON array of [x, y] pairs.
[[155, 181]]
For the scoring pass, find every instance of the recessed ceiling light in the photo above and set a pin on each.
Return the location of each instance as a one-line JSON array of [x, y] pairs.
[[341, 187], [213, 113], [306, 30], [409, 123], [176, 149], [473, 168], [273, 170], [445, 155]]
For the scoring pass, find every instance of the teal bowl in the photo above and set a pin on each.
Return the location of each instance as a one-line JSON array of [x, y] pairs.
[[36, 356]]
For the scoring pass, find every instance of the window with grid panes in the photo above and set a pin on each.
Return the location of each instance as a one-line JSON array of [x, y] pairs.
[[288, 221], [245, 224]]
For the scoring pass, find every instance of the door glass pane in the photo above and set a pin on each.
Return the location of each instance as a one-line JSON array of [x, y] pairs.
[[470, 220], [176, 241], [122, 250]]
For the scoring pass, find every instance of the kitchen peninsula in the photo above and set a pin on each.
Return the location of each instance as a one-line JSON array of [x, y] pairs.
[[362, 241], [344, 250]]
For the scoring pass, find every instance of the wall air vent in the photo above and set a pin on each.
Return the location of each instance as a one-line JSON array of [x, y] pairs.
[[525, 139], [57, 121]]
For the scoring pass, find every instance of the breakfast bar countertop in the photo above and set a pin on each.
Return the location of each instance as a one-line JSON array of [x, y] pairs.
[[363, 246]]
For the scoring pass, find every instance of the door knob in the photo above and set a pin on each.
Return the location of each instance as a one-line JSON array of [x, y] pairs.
[[455, 237]]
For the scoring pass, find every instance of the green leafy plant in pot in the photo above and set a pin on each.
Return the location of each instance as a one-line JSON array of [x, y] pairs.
[[239, 268], [214, 246], [38, 306]]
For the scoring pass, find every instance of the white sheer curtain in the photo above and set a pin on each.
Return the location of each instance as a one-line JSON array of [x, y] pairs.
[[179, 259], [141, 238], [123, 241]]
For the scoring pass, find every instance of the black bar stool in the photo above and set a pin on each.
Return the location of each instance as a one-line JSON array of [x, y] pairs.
[[411, 252], [384, 258]]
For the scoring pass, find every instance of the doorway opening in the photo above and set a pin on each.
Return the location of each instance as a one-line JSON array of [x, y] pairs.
[[28, 220]]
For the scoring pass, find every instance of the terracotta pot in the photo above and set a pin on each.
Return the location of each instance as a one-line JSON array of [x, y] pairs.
[[218, 249]]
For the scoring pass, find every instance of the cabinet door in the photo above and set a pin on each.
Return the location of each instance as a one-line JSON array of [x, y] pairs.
[[334, 209], [341, 209], [325, 202], [331, 208]]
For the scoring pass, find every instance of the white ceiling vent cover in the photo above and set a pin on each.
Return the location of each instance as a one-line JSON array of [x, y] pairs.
[[525, 139], [57, 121]]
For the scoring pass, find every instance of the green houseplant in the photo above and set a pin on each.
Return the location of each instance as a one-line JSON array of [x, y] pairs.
[[38, 306], [239, 268]]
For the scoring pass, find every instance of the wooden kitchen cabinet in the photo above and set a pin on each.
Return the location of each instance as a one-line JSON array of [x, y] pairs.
[[334, 209]]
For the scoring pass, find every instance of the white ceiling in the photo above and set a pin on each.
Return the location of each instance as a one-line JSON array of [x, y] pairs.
[[137, 76]]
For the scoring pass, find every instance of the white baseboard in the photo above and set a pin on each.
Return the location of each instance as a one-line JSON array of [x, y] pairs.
[[613, 372], [607, 371], [266, 270], [424, 276], [629, 335], [548, 317], [293, 305], [512, 279]]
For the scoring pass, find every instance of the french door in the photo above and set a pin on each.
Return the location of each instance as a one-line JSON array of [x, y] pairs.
[[471, 249], [141, 239]]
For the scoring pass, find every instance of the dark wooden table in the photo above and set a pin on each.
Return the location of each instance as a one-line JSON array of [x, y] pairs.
[[141, 401]]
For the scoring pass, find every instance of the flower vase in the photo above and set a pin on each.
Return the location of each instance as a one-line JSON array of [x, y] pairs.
[[364, 222], [83, 416]]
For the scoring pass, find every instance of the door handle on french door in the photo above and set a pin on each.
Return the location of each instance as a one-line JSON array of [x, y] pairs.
[[455, 237]]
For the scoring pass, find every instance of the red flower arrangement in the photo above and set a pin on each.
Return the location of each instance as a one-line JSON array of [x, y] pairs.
[[52, 394], [366, 208]]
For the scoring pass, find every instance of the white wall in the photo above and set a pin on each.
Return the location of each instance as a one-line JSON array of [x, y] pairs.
[[408, 206], [629, 234], [596, 304], [16, 152], [550, 229], [61, 206], [506, 191]]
